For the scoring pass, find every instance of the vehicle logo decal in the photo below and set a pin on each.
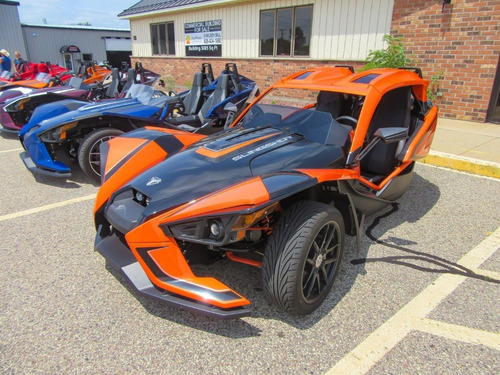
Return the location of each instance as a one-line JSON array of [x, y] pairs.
[[263, 147], [207, 151], [154, 181]]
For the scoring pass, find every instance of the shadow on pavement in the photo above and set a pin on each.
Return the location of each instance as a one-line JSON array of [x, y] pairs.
[[78, 177], [234, 328], [443, 265]]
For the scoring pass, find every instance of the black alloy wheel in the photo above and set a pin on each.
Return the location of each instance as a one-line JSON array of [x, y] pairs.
[[89, 156], [321, 262], [302, 256]]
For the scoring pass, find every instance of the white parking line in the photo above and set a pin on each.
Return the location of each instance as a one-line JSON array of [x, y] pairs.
[[362, 358], [46, 207], [486, 273], [11, 150], [456, 332]]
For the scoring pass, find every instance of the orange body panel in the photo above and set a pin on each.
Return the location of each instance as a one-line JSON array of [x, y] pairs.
[[188, 138], [422, 143], [33, 83], [246, 194], [183, 136], [323, 175], [389, 79], [124, 146], [147, 157], [169, 259], [97, 74], [238, 259]]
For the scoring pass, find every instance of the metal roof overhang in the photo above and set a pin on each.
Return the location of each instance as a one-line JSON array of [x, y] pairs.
[[211, 4], [69, 49]]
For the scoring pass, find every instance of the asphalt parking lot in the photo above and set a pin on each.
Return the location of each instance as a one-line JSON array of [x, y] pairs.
[[421, 296]]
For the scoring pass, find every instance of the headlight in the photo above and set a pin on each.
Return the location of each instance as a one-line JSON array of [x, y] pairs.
[[16, 105], [141, 198], [221, 230], [207, 231], [57, 134], [216, 228], [245, 221]]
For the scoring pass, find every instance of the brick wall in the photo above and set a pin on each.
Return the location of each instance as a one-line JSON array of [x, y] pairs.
[[462, 42], [264, 72]]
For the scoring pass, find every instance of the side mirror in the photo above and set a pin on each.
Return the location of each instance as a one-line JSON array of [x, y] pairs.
[[391, 135], [230, 110], [386, 135], [230, 107]]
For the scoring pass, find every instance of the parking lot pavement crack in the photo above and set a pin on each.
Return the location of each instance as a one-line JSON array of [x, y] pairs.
[[457, 332], [371, 350], [46, 207]]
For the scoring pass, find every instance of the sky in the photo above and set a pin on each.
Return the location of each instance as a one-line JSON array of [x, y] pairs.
[[99, 13]]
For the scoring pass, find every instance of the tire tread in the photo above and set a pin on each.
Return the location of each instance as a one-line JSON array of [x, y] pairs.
[[282, 256]]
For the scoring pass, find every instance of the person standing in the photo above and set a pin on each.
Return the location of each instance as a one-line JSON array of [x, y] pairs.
[[18, 61], [5, 63]]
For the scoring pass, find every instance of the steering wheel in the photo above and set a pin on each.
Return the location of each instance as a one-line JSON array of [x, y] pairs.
[[176, 99], [349, 119], [56, 80], [98, 92]]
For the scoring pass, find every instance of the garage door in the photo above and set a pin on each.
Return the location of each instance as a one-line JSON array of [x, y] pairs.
[[115, 44]]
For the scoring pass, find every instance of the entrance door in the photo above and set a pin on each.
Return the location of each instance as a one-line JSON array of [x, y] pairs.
[[68, 61], [493, 114]]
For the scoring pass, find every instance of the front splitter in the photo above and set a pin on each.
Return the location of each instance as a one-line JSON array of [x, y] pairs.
[[121, 258]]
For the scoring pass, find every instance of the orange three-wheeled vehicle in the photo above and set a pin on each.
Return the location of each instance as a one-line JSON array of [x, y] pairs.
[[277, 189]]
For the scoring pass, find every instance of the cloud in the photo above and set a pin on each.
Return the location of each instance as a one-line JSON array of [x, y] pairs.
[[64, 12]]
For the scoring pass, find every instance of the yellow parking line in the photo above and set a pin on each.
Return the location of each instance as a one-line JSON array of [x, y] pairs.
[[12, 150], [456, 332], [46, 207], [463, 164], [363, 357]]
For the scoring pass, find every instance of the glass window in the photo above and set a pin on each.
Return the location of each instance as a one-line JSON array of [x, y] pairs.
[[154, 39], [171, 38], [267, 32], [303, 25], [286, 31], [163, 39]]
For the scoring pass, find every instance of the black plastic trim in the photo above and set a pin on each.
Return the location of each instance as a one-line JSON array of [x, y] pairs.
[[121, 258], [25, 157], [8, 131]]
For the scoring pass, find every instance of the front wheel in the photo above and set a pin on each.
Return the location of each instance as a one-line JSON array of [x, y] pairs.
[[302, 257], [89, 157]]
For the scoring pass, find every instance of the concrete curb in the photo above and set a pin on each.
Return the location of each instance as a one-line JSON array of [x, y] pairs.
[[475, 166]]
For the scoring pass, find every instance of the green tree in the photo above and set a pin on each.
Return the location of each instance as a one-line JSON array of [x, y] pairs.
[[393, 56]]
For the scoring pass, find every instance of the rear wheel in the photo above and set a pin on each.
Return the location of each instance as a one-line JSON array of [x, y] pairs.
[[89, 157], [302, 257]]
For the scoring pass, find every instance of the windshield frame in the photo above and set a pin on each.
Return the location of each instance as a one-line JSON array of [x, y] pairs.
[[145, 94]]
